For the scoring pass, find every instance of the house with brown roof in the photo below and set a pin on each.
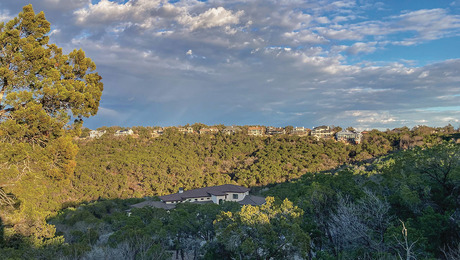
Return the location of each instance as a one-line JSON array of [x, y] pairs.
[[256, 130]]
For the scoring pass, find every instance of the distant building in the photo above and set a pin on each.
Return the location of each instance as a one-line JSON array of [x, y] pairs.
[[350, 137], [322, 132], [256, 130], [275, 130], [96, 133], [300, 131], [157, 132], [189, 130], [124, 132], [211, 130], [214, 130], [229, 130]]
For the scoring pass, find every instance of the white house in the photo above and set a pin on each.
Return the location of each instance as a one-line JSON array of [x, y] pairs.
[[322, 132], [96, 133], [347, 136], [299, 130], [124, 132]]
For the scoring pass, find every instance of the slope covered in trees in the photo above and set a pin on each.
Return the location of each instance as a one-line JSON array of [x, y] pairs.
[[38, 181], [122, 167], [401, 205]]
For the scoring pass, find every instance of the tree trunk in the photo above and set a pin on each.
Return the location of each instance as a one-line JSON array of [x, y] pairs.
[[2, 91]]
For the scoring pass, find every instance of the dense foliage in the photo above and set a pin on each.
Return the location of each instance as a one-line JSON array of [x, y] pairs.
[[401, 205], [361, 211], [41, 91], [122, 167], [38, 181]]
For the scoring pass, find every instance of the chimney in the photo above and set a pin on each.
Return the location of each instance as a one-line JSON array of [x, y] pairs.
[[181, 190]]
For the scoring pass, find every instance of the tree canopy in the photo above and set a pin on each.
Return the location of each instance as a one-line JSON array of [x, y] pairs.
[[39, 85], [41, 91]]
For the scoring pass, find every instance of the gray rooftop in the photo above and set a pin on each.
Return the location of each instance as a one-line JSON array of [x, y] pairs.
[[205, 192], [252, 200], [154, 204]]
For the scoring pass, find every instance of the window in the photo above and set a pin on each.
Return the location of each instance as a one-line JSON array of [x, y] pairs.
[[235, 196]]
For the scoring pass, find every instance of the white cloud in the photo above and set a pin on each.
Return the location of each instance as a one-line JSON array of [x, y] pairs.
[[304, 36], [322, 19], [213, 17], [424, 74], [5, 16], [367, 117], [145, 13], [430, 24], [104, 11], [362, 47]]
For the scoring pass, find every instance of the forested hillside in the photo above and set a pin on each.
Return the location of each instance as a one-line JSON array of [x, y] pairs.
[[122, 167], [400, 205]]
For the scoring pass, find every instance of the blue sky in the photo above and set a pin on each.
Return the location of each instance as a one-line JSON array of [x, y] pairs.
[[366, 64]]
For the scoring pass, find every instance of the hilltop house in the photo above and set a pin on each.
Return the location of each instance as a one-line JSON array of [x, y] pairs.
[[231, 130], [347, 136], [256, 130], [124, 132], [275, 130], [211, 130], [96, 133], [157, 132], [322, 132], [299, 130]]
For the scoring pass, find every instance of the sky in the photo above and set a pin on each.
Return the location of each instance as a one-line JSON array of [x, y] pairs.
[[366, 64]]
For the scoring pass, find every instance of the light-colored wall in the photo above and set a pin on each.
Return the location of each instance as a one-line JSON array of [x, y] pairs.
[[240, 196], [199, 199], [216, 199]]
